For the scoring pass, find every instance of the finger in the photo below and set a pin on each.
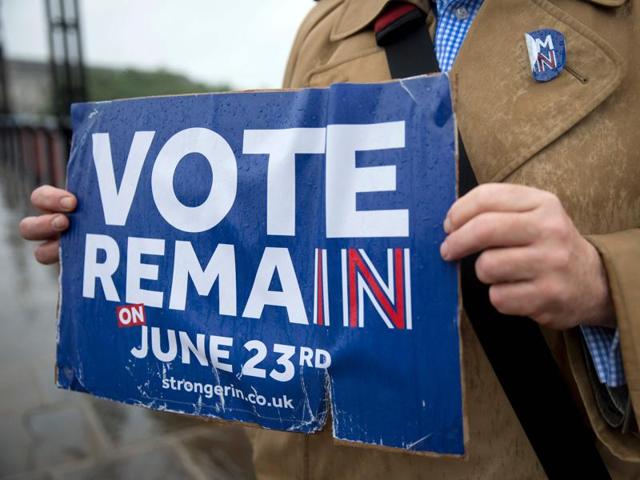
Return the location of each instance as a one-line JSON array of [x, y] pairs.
[[50, 199], [43, 227], [500, 265], [491, 197], [490, 230], [517, 298], [48, 253]]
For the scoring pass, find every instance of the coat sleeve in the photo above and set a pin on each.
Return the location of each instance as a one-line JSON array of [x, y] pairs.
[[620, 252]]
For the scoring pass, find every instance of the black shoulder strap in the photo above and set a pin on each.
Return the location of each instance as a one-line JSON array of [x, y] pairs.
[[514, 346]]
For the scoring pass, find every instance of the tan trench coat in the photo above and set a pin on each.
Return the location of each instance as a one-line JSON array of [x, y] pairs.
[[577, 136]]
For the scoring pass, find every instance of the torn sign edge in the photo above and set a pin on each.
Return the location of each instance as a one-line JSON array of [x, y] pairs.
[[318, 423]]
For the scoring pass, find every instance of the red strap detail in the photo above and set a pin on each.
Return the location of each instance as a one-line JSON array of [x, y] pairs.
[[393, 12]]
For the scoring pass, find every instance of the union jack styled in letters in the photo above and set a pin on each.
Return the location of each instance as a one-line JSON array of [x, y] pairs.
[[391, 299]]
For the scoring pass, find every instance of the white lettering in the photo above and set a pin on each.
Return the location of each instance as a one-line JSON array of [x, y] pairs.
[[276, 260], [282, 147], [221, 267], [116, 203], [136, 270], [141, 352], [217, 353], [187, 347], [344, 180], [156, 346], [223, 187], [104, 271]]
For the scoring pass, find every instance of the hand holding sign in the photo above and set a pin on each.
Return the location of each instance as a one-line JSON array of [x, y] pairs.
[[534, 258], [54, 203]]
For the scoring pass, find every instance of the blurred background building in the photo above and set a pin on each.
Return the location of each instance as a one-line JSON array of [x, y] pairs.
[[53, 52]]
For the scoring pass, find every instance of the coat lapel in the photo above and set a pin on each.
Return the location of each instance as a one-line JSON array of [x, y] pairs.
[[505, 117]]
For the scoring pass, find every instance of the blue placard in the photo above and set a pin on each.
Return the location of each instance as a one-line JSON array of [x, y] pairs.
[[271, 258]]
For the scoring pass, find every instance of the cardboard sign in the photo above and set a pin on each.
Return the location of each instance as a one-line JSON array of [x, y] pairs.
[[271, 258]]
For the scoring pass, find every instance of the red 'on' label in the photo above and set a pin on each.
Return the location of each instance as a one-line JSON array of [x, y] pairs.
[[131, 315]]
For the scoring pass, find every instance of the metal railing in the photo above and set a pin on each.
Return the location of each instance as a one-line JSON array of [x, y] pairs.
[[33, 151]]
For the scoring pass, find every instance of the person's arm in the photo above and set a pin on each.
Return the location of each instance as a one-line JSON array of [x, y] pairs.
[[54, 203]]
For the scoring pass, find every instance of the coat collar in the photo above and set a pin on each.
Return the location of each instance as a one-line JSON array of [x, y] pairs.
[[358, 14]]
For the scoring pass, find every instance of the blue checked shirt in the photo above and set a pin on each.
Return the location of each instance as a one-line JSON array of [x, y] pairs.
[[454, 17]]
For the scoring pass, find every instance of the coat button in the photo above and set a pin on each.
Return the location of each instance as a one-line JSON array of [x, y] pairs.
[[461, 13]]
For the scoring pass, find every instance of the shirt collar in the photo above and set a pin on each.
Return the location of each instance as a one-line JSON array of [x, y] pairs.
[[442, 5]]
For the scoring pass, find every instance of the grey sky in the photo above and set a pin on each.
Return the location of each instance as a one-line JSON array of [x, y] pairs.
[[242, 42]]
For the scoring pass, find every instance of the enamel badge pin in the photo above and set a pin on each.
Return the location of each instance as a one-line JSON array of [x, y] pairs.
[[547, 54]]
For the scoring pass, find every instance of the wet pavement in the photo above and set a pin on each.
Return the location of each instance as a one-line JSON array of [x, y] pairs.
[[47, 433]]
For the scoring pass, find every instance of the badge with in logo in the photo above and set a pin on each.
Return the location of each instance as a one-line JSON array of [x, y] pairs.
[[547, 54]]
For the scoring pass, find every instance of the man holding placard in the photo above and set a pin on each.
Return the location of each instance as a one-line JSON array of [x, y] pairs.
[[562, 178]]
